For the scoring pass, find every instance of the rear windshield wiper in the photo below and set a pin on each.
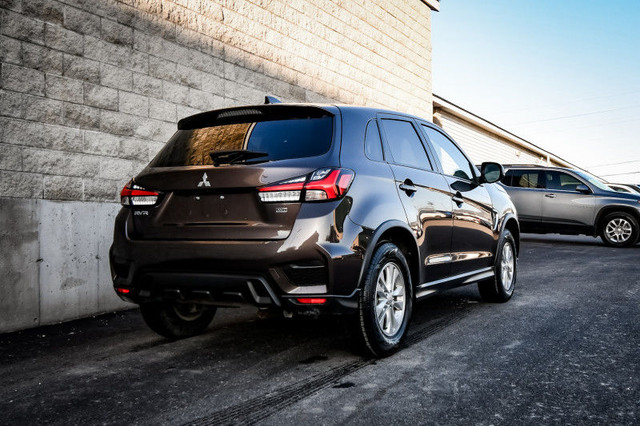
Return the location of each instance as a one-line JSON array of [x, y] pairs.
[[234, 156]]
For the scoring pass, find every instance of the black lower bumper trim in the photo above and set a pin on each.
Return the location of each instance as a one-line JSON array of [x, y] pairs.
[[205, 288]]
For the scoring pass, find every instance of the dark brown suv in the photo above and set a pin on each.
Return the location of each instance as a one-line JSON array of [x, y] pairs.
[[310, 209]]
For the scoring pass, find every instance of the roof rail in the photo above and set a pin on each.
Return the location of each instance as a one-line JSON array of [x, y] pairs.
[[527, 165]]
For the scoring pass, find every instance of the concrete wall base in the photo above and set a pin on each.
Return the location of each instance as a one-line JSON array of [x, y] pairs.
[[54, 264]]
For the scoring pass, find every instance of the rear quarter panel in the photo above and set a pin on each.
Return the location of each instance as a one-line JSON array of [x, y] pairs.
[[375, 202], [375, 199]]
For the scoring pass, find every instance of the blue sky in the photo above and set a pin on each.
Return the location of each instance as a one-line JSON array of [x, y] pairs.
[[563, 74]]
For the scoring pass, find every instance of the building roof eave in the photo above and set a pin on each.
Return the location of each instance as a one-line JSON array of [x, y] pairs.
[[433, 4], [453, 109]]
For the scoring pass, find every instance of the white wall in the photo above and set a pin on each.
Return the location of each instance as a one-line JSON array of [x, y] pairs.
[[482, 146]]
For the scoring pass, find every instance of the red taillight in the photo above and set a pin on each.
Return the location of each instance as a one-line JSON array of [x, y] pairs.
[[321, 185], [328, 184], [123, 290], [134, 195], [312, 301]]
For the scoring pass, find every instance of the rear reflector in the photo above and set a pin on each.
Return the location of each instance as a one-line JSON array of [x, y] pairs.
[[279, 196], [287, 191], [134, 195], [322, 185], [123, 290], [312, 301]]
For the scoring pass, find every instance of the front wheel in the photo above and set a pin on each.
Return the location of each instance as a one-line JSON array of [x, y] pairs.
[[386, 301], [176, 320], [619, 230], [499, 288]]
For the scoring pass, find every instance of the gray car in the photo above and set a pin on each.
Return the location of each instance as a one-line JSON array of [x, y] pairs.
[[565, 201]]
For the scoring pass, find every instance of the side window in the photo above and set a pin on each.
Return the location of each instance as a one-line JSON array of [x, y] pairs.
[[405, 145], [372, 142], [523, 179], [453, 161], [560, 181]]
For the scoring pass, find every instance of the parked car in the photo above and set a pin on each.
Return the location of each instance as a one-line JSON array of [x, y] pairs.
[[565, 201], [310, 209], [624, 188]]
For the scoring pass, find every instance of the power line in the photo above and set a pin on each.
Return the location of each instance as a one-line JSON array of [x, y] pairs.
[[622, 174], [575, 101], [598, 124], [616, 164], [579, 115]]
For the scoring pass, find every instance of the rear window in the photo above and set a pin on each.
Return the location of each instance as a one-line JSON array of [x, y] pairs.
[[279, 139], [523, 179]]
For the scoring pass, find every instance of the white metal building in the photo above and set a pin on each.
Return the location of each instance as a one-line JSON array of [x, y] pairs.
[[485, 141]]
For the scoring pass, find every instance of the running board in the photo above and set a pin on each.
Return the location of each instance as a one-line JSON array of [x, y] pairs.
[[426, 289]]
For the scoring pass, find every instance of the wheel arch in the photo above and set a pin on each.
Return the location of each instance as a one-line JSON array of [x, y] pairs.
[[401, 235], [614, 209], [511, 223]]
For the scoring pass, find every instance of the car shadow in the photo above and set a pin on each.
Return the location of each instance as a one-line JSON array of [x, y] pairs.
[[233, 333], [571, 240]]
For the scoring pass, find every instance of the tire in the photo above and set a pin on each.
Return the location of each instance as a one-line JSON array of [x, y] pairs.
[[175, 320], [500, 287], [388, 268], [619, 229]]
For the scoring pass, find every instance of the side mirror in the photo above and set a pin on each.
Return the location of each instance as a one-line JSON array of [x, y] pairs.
[[583, 189], [491, 172]]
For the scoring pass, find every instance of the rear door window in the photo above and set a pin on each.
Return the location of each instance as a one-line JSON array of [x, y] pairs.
[[523, 179], [405, 144], [278, 139]]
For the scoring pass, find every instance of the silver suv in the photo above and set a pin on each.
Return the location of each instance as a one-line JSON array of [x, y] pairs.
[[565, 201]]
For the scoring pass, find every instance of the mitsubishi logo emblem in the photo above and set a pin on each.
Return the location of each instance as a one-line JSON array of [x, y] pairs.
[[204, 181]]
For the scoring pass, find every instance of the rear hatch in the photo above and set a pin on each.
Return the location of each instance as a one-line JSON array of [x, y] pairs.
[[208, 175]]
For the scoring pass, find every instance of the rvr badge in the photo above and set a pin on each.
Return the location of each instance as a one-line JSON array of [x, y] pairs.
[[204, 181]]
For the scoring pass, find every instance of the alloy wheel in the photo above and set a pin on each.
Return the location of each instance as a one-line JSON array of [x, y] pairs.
[[507, 266], [390, 299], [618, 230]]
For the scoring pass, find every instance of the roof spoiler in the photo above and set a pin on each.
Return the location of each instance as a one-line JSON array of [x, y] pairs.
[[252, 113]]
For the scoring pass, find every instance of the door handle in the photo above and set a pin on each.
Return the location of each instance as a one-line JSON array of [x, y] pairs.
[[408, 187], [457, 198], [550, 195]]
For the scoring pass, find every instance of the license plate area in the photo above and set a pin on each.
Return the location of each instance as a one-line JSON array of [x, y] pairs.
[[211, 209]]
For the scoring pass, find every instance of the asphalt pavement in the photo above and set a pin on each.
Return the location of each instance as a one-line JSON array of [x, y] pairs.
[[565, 349]]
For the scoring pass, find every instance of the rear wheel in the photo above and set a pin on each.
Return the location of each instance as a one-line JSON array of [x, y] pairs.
[[385, 304], [619, 229], [176, 320], [499, 288]]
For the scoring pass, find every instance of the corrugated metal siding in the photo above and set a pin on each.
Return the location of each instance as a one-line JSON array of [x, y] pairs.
[[482, 146]]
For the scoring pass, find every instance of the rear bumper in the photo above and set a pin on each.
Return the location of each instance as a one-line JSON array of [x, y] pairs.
[[230, 291], [276, 273]]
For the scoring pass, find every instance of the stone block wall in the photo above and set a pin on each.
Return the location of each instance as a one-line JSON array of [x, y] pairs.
[[90, 90]]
